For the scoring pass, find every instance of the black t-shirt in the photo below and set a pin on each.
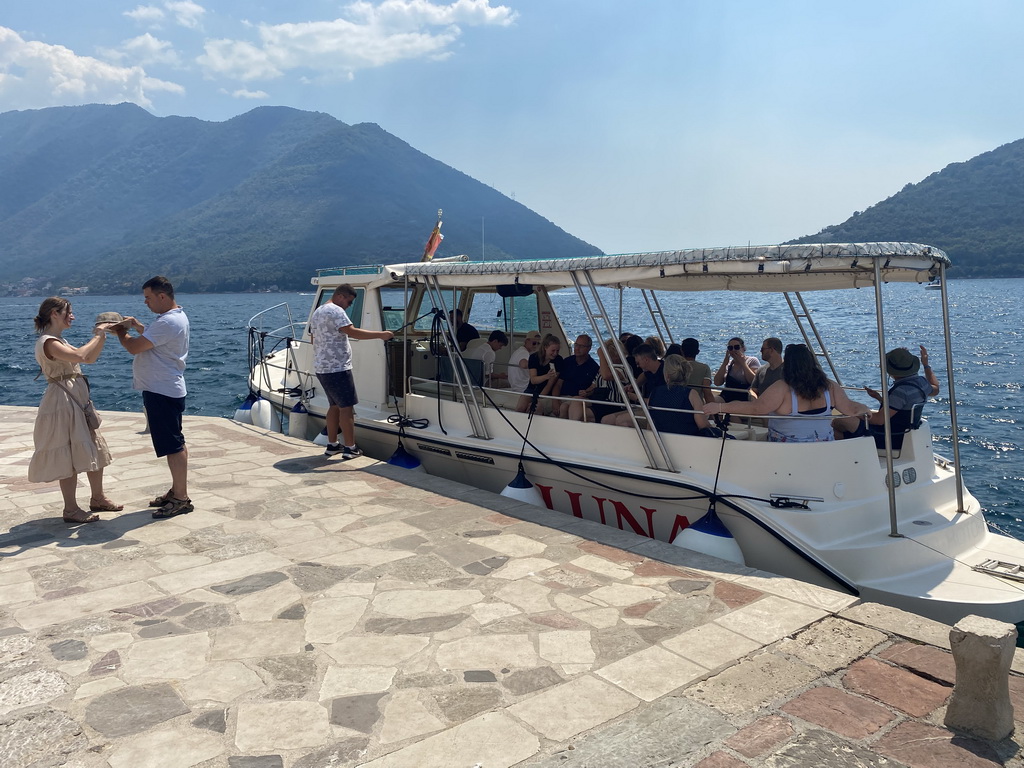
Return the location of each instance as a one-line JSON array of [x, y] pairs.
[[654, 380], [576, 376], [465, 333], [534, 364]]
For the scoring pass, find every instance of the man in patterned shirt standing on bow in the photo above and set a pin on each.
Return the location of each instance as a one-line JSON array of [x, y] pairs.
[[330, 329]]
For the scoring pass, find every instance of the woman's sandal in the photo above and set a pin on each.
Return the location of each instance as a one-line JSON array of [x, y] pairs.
[[78, 516], [174, 507], [104, 505], [159, 501]]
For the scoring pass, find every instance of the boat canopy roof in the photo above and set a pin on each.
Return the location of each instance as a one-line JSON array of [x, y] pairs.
[[763, 268]]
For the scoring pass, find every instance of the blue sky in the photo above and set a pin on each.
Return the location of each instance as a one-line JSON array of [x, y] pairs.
[[639, 125]]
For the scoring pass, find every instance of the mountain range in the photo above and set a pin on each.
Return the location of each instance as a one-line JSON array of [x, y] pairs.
[[106, 196], [974, 211]]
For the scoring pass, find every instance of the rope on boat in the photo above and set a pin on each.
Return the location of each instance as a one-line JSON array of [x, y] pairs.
[[605, 486]]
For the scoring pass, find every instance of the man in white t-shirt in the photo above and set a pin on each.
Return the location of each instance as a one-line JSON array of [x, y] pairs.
[[330, 329], [158, 370], [486, 352], [518, 372]]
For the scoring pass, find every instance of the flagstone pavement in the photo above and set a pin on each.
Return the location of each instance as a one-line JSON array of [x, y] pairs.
[[316, 612]]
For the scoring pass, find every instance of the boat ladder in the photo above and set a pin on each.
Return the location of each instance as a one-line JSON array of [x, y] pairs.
[[802, 315], [460, 373], [1013, 571], [590, 300], [660, 323]]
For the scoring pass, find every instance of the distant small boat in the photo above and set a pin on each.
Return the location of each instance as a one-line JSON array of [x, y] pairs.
[[935, 284]]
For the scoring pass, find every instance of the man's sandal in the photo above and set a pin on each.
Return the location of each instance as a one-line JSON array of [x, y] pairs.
[[159, 501], [174, 507], [104, 505], [79, 516]]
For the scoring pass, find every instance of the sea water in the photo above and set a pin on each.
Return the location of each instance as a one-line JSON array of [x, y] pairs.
[[986, 316]]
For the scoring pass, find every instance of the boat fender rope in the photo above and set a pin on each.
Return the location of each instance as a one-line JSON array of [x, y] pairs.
[[403, 421], [787, 503], [596, 482]]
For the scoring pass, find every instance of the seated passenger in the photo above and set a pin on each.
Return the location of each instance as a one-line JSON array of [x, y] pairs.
[[605, 412], [805, 395], [518, 373], [485, 352], [678, 395], [577, 379], [651, 378], [543, 366], [736, 373], [630, 344], [657, 344], [908, 389], [700, 373], [464, 332], [771, 353]]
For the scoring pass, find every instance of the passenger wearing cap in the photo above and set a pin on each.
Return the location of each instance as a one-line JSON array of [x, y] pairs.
[[518, 372], [908, 389]]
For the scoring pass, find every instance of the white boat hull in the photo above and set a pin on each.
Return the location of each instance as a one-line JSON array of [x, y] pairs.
[[842, 542]]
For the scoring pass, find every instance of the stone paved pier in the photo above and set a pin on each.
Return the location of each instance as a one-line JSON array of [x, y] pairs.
[[313, 612]]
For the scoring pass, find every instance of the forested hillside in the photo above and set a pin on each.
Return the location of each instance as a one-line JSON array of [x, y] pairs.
[[107, 196], [973, 210]]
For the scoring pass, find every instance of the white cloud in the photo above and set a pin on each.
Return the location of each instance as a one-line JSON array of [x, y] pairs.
[[145, 14], [242, 93], [35, 75], [372, 36], [185, 12], [144, 49], [409, 14]]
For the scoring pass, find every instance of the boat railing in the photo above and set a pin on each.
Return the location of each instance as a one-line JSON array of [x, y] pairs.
[[500, 397], [258, 321], [263, 344]]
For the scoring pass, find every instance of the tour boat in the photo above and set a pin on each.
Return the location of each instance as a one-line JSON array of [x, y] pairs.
[[891, 526]]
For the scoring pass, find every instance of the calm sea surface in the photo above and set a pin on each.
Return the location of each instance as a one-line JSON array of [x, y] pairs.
[[987, 318]]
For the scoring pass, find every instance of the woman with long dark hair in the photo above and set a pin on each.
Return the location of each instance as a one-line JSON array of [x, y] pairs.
[[65, 443], [804, 394]]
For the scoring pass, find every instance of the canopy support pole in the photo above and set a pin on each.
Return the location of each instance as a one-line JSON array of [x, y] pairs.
[[890, 481], [954, 432]]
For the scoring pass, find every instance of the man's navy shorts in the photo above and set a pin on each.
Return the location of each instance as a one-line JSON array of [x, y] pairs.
[[339, 387], [163, 414]]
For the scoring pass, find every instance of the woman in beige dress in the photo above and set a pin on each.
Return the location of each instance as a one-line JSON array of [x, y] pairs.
[[64, 443]]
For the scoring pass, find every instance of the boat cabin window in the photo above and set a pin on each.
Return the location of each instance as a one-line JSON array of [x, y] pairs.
[[485, 309], [354, 312], [394, 316], [492, 312], [522, 314]]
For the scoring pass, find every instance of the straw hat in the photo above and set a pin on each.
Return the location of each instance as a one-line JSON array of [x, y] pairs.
[[900, 363], [111, 317]]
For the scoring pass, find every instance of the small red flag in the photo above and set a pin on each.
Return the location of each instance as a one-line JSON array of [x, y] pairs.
[[432, 242]]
